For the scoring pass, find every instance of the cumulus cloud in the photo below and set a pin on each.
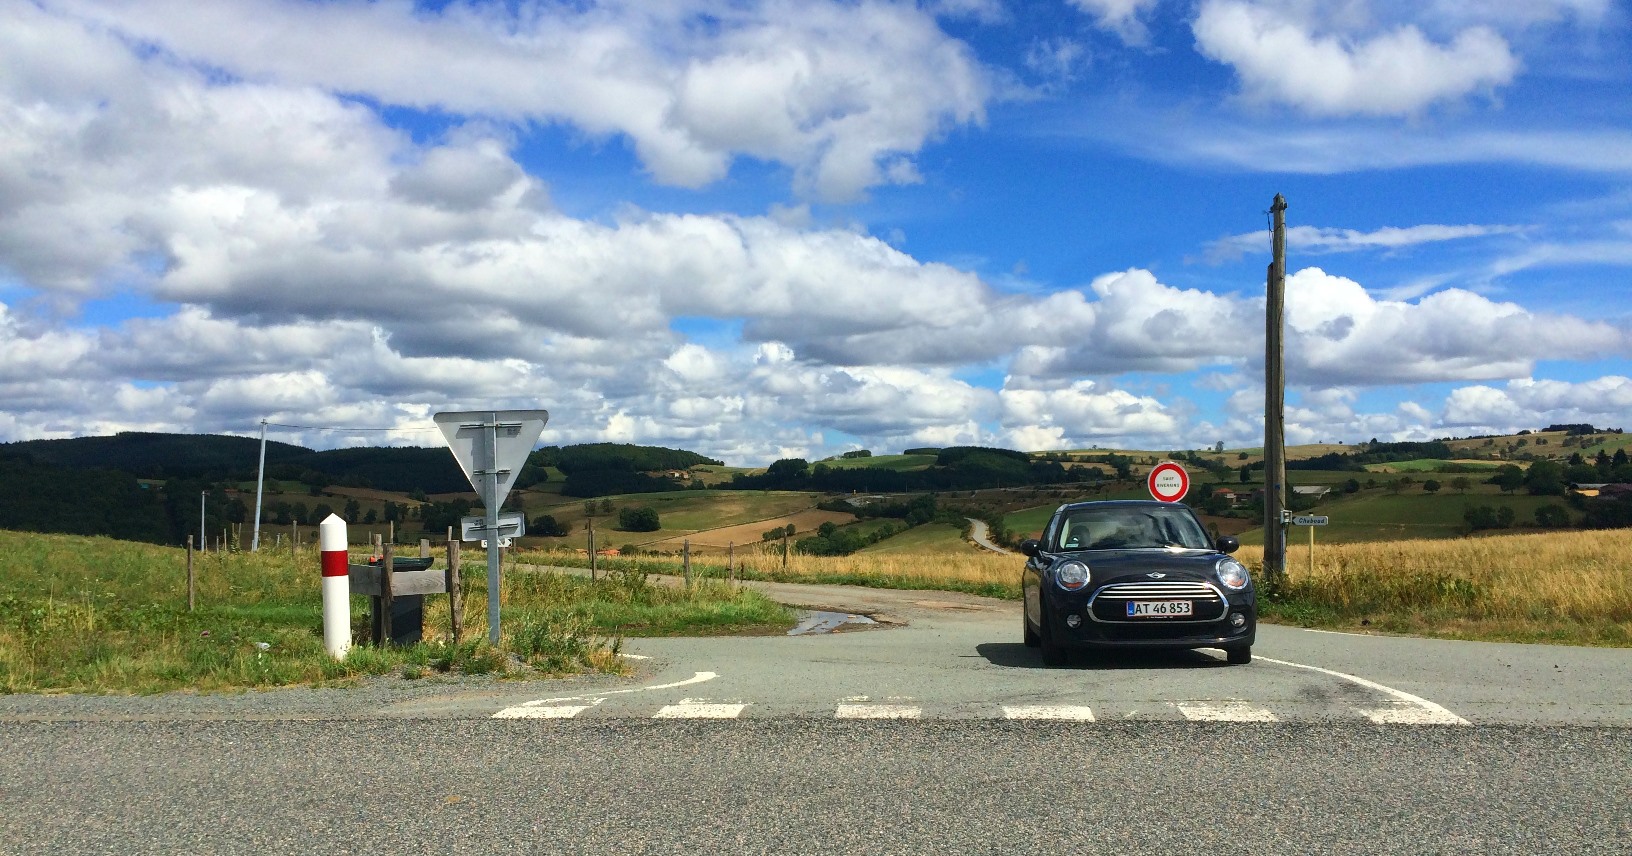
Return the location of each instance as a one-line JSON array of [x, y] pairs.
[[1527, 403], [1082, 414], [841, 93], [1282, 59], [1338, 334]]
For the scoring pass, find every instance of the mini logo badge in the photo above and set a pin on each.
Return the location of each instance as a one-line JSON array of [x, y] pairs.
[[1155, 575]]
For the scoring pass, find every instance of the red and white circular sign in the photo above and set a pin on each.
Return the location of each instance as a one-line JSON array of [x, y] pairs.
[[1168, 481]]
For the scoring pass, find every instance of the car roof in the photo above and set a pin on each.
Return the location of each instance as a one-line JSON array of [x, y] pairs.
[[1117, 503]]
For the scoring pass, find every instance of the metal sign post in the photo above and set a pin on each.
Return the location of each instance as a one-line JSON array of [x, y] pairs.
[[491, 447], [1311, 521]]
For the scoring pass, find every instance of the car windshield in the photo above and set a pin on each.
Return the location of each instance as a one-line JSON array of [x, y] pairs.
[[1130, 527]]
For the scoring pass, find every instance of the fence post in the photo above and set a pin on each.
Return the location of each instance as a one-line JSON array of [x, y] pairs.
[[190, 577], [386, 559], [731, 561], [685, 559], [456, 598]]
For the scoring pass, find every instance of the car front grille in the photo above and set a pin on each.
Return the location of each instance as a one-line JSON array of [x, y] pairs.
[[1110, 603]]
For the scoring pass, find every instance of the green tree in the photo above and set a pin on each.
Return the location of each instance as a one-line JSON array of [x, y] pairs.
[[1461, 484], [642, 519], [1552, 517], [1508, 477], [1430, 486]]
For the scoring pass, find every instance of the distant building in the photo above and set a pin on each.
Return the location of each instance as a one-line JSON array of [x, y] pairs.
[[1316, 491]]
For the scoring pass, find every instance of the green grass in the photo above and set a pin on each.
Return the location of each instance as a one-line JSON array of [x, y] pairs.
[[97, 615], [895, 463], [930, 537]]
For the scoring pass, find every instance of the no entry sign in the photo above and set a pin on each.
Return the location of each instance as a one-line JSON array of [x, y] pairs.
[[1168, 482]]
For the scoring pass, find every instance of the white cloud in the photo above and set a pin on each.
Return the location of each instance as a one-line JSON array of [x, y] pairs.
[[1122, 17], [1338, 334], [839, 92], [1081, 414], [1527, 403], [1281, 59], [1320, 240]]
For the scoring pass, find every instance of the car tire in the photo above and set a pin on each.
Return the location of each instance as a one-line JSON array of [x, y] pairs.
[[1028, 633], [1238, 656], [1053, 654]]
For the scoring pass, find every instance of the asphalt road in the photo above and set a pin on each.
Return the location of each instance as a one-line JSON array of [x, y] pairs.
[[934, 732]]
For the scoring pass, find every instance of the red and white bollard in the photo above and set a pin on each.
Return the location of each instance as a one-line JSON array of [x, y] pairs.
[[331, 539]]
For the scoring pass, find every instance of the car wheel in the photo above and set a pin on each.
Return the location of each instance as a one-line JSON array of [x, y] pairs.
[[1053, 654], [1239, 656], [1028, 634]]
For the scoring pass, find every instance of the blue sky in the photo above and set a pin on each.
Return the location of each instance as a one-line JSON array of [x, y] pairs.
[[770, 229]]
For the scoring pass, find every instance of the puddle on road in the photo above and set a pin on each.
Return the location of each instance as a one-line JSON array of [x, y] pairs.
[[826, 622]]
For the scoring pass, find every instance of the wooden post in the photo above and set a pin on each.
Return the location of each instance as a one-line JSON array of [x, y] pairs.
[[784, 549], [385, 594], [294, 539], [456, 597], [685, 559], [190, 573], [731, 561], [1275, 402], [591, 548], [424, 548]]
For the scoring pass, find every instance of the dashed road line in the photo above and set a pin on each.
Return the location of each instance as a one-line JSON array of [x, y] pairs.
[[1228, 710], [694, 708], [1071, 712], [862, 707]]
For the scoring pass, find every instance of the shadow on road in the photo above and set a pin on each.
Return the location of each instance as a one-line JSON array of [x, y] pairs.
[[1014, 655]]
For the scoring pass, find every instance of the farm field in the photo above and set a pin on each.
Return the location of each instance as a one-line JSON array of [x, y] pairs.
[[897, 463], [928, 538], [742, 535]]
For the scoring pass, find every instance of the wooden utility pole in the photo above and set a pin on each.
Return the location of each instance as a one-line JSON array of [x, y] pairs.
[[1275, 406]]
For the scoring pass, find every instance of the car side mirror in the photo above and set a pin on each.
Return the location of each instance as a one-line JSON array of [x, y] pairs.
[[1228, 544], [1031, 547]]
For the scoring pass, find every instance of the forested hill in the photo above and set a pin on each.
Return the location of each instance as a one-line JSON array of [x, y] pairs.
[[155, 456], [406, 469]]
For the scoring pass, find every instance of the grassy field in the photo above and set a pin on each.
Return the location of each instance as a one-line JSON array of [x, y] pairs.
[[899, 463], [97, 615], [1567, 587], [928, 538], [681, 513]]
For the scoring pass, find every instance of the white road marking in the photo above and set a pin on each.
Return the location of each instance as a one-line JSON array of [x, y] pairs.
[[877, 711], [554, 711], [517, 711], [1228, 710], [1072, 712], [1408, 709], [697, 708]]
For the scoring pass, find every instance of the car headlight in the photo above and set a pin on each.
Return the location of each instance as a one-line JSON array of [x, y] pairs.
[[1071, 576], [1232, 573]]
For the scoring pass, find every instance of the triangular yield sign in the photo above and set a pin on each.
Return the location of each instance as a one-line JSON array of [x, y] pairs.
[[513, 433]]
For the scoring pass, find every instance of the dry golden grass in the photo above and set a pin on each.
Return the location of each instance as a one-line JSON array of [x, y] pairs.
[[985, 573], [1571, 586]]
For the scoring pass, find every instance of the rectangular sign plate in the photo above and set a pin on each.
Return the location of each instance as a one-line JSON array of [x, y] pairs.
[[1159, 609], [1310, 520], [512, 524]]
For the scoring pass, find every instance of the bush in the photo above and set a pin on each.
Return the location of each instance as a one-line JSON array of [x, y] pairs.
[[642, 519], [546, 524]]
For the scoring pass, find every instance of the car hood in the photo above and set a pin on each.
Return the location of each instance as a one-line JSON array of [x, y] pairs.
[[1130, 565]]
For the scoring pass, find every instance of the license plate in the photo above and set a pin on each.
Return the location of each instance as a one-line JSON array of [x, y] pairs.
[[1159, 608]]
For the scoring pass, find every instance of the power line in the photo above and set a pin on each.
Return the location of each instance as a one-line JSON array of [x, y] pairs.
[[332, 428]]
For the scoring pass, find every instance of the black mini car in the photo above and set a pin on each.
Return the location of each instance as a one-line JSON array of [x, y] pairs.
[[1135, 574]]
